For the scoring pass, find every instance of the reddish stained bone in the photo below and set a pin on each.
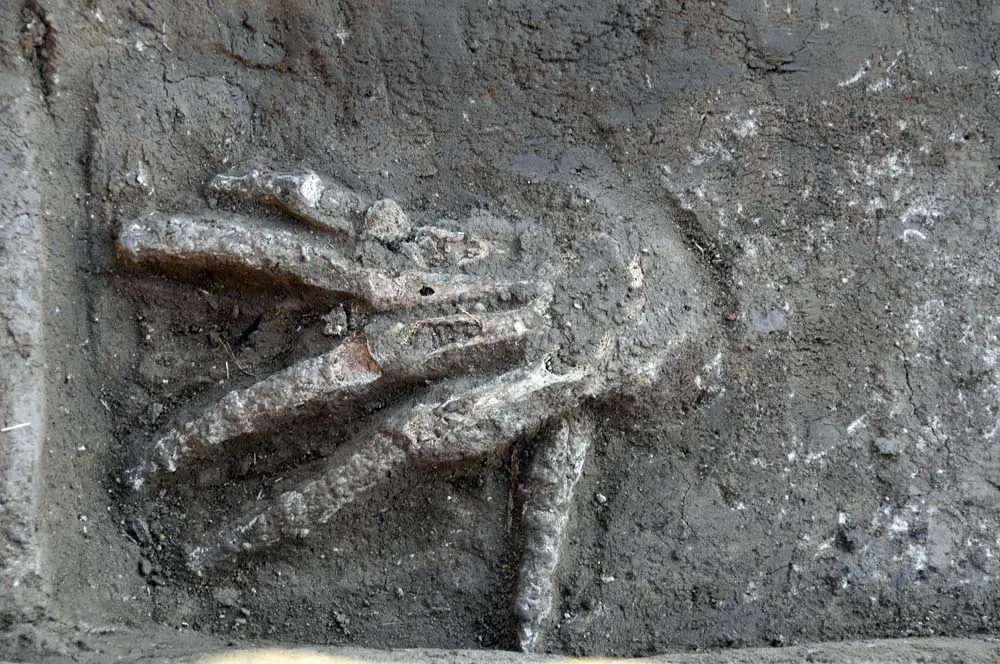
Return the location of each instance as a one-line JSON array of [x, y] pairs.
[[336, 381], [220, 241]]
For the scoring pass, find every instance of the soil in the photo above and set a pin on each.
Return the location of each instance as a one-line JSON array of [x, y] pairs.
[[817, 183]]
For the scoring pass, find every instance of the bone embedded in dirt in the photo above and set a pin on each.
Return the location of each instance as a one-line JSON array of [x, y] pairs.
[[469, 425], [351, 473], [228, 243], [304, 194], [329, 382], [299, 191], [451, 345], [548, 490]]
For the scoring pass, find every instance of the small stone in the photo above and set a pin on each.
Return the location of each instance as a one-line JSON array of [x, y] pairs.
[[226, 596], [889, 447], [143, 179], [601, 499], [335, 322], [399, 592], [145, 567], [154, 411], [138, 529], [341, 619], [386, 222]]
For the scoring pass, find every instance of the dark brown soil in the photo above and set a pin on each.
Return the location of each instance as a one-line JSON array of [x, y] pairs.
[[824, 469]]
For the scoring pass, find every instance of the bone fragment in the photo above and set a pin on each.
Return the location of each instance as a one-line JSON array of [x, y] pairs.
[[340, 380], [469, 425], [306, 196], [336, 379], [221, 241], [548, 487], [438, 347]]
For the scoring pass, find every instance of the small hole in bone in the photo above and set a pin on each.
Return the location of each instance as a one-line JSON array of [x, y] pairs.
[[426, 290]]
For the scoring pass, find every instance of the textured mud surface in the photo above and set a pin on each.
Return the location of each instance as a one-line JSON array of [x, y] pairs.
[[819, 183]]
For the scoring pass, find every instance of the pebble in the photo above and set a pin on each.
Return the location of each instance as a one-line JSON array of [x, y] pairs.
[[335, 322], [386, 222], [226, 596], [341, 619], [154, 411], [145, 567], [139, 530], [890, 447]]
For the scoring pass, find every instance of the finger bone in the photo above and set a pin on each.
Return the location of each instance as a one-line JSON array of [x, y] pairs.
[[478, 422], [304, 195], [220, 241], [334, 381]]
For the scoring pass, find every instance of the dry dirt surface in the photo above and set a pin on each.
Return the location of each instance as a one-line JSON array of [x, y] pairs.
[[715, 286]]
